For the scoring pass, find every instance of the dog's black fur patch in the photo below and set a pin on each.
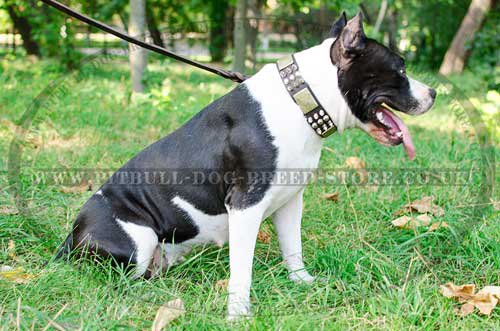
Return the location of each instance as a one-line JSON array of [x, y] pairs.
[[227, 139]]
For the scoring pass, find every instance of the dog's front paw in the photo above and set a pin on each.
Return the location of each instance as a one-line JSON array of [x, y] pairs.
[[238, 310], [301, 276]]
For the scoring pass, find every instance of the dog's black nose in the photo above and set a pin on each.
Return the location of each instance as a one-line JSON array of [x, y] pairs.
[[432, 92]]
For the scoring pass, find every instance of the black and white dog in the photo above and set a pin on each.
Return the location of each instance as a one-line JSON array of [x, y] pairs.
[[260, 125]]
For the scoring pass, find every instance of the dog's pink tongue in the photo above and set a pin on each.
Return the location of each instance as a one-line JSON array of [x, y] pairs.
[[407, 142]]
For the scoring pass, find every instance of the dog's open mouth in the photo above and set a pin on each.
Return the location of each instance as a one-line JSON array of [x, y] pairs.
[[394, 129]]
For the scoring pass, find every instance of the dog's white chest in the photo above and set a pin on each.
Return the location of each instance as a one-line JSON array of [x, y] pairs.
[[299, 148]]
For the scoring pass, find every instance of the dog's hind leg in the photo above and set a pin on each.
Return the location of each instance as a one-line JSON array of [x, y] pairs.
[[145, 243], [97, 232]]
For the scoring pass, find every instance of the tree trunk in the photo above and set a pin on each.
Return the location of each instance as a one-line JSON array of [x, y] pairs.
[[456, 55], [217, 29], [324, 20], [240, 36], [301, 44], [22, 25], [254, 11], [14, 46], [153, 27], [230, 26], [380, 17], [137, 55], [365, 12], [392, 29]]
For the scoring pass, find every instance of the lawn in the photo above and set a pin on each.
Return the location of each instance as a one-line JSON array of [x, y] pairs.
[[376, 276]]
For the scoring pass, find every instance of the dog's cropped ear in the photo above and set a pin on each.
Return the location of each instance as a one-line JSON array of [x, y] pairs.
[[338, 26], [353, 37]]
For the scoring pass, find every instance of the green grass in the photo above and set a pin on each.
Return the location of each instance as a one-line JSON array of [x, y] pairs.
[[377, 277]]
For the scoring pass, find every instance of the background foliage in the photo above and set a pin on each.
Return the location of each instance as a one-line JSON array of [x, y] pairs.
[[376, 276], [423, 30]]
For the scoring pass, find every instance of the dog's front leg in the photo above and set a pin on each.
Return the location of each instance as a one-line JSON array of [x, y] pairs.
[[287, 221], [243, 228]]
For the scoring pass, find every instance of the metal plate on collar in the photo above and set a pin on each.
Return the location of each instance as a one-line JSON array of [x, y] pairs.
[[329, 132], [285, 62], [305, 100]]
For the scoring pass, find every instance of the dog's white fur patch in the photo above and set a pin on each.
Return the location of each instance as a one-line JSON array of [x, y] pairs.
[[212, 228], [420, 91], [145, 241]]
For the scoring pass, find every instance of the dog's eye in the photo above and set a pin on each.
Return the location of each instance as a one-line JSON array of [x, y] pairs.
[[402, 71]]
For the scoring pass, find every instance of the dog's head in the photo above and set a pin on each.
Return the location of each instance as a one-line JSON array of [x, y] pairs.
[[373, 81]]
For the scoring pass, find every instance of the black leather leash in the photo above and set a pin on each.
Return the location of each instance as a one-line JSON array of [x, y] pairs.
[[235, 76]]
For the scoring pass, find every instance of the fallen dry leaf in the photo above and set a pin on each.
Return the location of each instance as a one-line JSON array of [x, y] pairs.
[[423, 220], [485, 300], [410, 222], [437, 225], [466, 309], [423, 206], [6, 123], [11, 250], [15, 275], [355, 163], [332, 196], [21, 133], [359, 165], [263, 237], [50, 138], [221, 284], [462, 293], [84, 186], [401, 221], [8, 210], [167, 313]]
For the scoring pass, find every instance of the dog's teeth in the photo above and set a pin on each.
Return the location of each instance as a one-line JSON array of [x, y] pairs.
[[399, 134], [380, 118]]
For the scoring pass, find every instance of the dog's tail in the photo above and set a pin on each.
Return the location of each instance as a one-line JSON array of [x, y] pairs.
[[65, 248]]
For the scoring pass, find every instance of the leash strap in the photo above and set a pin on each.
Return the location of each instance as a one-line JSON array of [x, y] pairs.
[[232, 75], [316, 116]]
